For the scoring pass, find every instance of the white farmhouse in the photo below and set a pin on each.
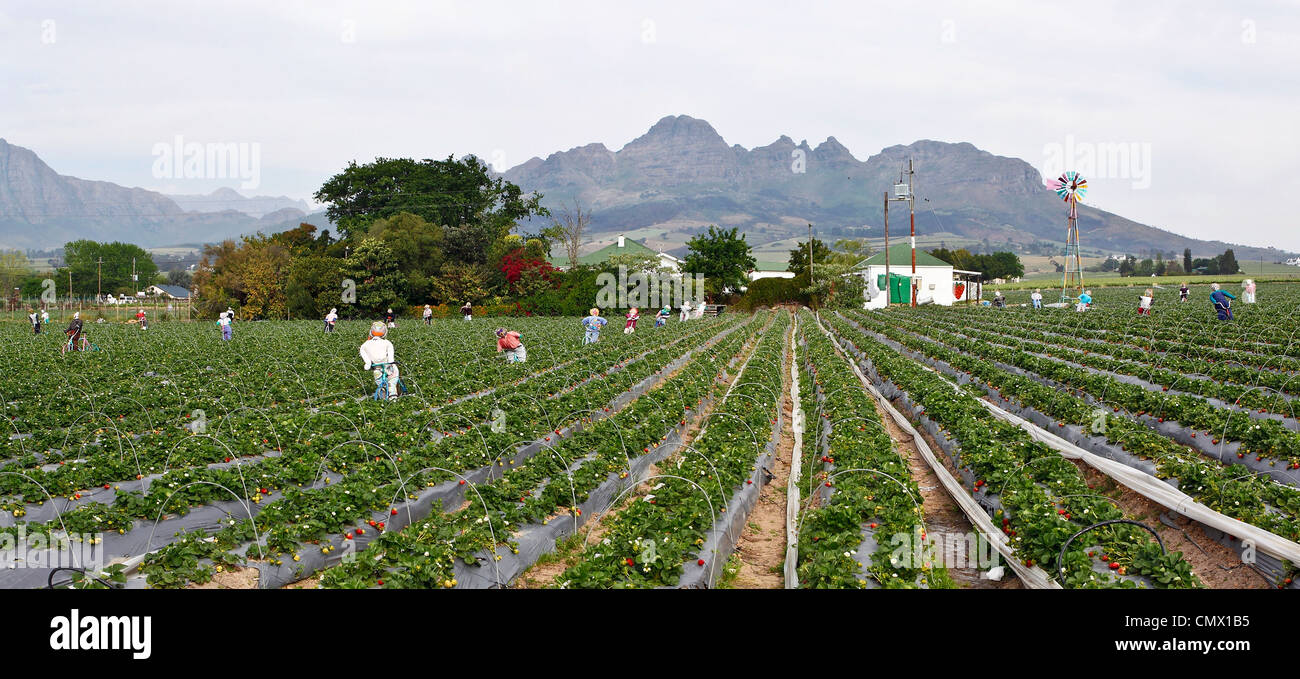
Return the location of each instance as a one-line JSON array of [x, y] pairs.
[[934, 278]]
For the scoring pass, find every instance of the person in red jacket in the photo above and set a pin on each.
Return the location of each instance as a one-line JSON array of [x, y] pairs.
[[508, 341]]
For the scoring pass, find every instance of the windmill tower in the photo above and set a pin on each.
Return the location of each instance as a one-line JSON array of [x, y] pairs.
[[1071, 187]]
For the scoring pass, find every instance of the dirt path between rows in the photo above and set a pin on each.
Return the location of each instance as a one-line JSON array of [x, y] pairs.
[[761, 548]]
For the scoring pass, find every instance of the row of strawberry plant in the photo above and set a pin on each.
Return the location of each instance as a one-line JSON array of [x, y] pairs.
[[1040, 498], [1245, 497], [866, 484], [649, 543], [546, 489]]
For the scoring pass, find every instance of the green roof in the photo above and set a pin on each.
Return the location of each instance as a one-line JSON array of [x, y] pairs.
[[630, 247], [902, 254]]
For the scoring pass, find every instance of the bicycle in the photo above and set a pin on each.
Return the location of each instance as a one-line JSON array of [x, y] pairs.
[[381, 382], [82, 344]]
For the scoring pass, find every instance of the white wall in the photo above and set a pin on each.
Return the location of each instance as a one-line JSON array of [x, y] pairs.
[[935, 285]]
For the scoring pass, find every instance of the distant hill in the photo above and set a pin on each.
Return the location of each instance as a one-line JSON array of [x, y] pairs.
[[40, 208], [681, 175], [229, 199]]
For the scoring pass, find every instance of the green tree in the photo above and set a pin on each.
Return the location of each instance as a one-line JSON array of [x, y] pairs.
[[462, 196], [1228, 262], [1187, 260], [315, 286], [723, 258], [418, 247], [83, 259], [380, 284], [459, 283], [798, 261]]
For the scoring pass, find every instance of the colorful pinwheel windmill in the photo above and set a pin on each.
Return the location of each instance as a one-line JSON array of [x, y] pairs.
[[1071, 186]]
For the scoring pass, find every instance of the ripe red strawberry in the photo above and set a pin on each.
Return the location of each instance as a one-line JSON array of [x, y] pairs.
[[700, 562], [394, 511], [462, 482]]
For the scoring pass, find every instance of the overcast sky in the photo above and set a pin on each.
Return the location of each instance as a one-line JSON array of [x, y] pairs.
[[1210, 90]]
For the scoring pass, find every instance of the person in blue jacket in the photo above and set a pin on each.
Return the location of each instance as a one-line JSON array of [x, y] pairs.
[[592, 323], [1220, 300]]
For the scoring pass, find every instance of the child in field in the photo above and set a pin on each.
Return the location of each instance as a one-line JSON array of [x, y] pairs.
[[1182, 292], [388, 318], [593, 323], [330, 319], [661, 318], [508, 341], [1037, 298], [1248, 292], [142, 320], [428, 315], [632, 317], [686, 311], [224, 323], [377, 352], [36, 321], [1144, 302], [467, 311]]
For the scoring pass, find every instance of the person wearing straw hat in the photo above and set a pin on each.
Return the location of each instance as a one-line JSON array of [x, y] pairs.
[[593, 323]]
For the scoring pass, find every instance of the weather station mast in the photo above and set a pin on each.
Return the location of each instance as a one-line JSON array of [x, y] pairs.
[[902, 193], [1071, 187]]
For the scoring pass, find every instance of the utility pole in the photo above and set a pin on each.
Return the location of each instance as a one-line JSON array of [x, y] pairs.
[[810, 257], [99, 279], [888, 283], [911, 216]]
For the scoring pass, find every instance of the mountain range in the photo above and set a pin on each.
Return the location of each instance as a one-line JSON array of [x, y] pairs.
[[40, 208], [660, 188], [681, 175]]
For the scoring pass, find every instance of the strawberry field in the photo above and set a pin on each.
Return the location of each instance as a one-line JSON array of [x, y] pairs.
[[1075, 450]]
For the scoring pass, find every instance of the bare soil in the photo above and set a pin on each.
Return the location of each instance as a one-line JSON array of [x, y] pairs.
[[231, 578], [761, 547]]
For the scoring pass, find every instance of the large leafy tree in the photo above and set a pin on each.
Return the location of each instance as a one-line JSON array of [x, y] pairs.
[[82, 259], [724, 258], [418, 247], [380, 284], [462, 196], [315, 286], [798, 262], [250, 275]]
